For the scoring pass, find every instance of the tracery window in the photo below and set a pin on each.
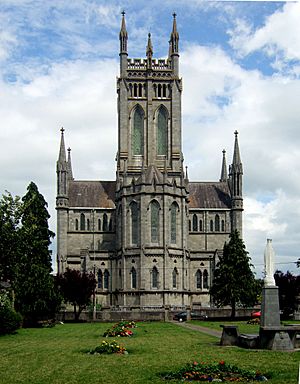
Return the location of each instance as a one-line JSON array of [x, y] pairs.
[[195, 223], [134, 222], [205, 279], [82, 222], [138, 131], [154, 212], [198, 279], [162, 131]]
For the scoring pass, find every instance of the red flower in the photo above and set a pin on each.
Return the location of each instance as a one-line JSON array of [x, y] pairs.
[[222, 362], [195, 363]]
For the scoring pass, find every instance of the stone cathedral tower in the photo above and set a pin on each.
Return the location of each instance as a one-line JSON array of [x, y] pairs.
[[151, 237]]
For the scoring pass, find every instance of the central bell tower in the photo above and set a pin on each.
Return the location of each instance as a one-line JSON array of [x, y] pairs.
[[151, 260]]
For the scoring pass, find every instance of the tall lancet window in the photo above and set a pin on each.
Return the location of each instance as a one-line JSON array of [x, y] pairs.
[[154, 211], [134, 223], [138, 131], [162, 131], [174, 207]]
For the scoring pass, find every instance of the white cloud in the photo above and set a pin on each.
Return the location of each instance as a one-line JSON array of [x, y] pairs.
[[278, 38]]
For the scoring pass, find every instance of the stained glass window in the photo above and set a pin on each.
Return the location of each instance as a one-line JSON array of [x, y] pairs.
[[162, 131], [100, 281], [138, 131], [154, 221]]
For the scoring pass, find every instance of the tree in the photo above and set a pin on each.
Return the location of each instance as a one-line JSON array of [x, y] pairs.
[[289, 291], [234, 283], [36, 296], [10, 213], [77, 288]]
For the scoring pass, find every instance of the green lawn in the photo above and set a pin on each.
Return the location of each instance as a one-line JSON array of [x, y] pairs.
[[56, 355]]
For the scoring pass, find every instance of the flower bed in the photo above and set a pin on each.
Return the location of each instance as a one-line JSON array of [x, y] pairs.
[[109, 347], [121, 329], [215, 372]]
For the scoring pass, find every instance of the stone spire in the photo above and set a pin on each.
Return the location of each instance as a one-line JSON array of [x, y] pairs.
[[62, 150], [236, 154], [70, 171], [123, 36], [174, 38], [223, 168], [174, 47], [149, 51]]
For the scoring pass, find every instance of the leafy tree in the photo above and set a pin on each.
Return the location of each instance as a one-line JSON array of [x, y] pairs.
[[289, 290], [10, 212], [36, 297], [234, 283], [77, 288]]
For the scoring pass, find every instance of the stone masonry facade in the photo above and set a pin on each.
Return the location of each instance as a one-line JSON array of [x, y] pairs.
[[151, 236]]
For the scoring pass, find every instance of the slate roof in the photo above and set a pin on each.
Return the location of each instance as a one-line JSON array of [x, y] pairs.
[[209, 195], [92, 194]]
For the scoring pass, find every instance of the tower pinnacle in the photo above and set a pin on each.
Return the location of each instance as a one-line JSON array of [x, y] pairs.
[[174, 38], [123, 36], [62, 149], [224, 167], [236, 154]]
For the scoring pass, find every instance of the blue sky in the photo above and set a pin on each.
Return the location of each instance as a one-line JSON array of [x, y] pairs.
[[240, 63]]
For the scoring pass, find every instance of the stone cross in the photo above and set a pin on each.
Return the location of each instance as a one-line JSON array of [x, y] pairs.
[[269, 256]]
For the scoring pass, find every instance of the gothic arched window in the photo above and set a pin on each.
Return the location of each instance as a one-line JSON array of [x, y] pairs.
[[134, 222], [99, 224], [195, 223], [217, 223], [211, 225], [200, 225], [100, 279], [154, 277], [105, 222], [138, 131], [106, 279], [173, 213], [154, 212], [162, 131], [198, 279], [76, 224], [82, 222], [174, 277], [190, 226], [223, 225], [133, 277], [205, 279], [88, 225]]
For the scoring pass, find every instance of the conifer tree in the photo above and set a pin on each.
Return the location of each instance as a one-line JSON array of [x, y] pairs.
[[10, 210], [234, 283], [36, 296]]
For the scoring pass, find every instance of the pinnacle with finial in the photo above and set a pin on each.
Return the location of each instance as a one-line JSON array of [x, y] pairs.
[[223, 168]]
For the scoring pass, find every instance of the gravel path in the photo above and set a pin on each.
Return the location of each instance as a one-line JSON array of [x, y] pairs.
[[194, 327]]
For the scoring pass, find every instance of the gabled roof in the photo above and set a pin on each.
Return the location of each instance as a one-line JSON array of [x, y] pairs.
[[99, 194], [209, 195]]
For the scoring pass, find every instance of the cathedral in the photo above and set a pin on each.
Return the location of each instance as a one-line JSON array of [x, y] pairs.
[[152, 237]]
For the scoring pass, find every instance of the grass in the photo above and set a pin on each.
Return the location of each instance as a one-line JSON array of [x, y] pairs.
[[57, 355]]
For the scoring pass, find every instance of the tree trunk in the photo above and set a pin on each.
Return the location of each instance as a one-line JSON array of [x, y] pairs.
[[233, 309]]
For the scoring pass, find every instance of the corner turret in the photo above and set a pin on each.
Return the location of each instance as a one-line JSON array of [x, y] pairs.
[[62, 173], [236, 187], [174, 47]]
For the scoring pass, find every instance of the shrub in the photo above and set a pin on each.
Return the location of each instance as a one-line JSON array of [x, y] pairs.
[[10, 320], [120, 329]]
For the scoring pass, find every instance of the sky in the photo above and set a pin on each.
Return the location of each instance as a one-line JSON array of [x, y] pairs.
[[240, 64]]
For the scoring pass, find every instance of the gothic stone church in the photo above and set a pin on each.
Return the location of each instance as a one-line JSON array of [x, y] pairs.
[[151, 236]]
